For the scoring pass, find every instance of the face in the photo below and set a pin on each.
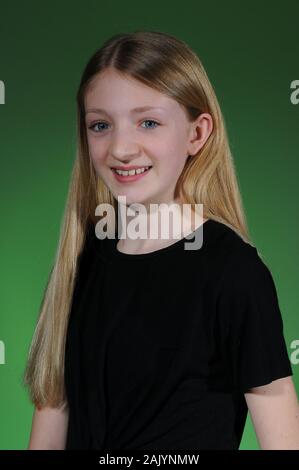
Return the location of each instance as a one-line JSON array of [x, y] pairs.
[[123, 137]]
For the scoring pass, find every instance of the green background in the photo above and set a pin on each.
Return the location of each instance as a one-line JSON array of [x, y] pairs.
[[250, 51]]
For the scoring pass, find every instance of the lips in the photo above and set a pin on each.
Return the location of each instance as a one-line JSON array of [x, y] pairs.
[[130, 178]]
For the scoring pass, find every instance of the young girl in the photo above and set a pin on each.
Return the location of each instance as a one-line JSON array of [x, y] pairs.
[[142, 343]]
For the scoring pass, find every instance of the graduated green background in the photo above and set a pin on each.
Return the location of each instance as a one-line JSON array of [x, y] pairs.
[[250, 52]]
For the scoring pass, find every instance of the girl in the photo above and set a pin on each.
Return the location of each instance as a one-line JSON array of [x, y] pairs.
[[142, 343]]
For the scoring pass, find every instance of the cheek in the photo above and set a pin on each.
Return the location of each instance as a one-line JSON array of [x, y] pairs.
[[174, 146], [97, 153], [172, 158]]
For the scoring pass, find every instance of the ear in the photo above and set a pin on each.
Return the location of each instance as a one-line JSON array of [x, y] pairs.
[[200, 130]]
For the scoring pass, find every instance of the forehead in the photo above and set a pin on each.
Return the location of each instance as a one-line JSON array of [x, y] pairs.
[[113, 91]]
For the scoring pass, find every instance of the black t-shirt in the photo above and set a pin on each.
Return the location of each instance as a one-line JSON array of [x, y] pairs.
[[162, 346]]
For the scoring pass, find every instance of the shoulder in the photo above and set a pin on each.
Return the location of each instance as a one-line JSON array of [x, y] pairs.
[[230, 257], [245, 289], [86, 254], [247, 275], [236, 268], [246, 269]]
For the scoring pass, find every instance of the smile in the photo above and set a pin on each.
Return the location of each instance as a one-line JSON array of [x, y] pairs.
[[131, 175]]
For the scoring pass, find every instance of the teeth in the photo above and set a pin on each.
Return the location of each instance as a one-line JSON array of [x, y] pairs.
[[132, 172]]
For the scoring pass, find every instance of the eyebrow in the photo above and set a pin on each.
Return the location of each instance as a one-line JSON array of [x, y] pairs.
[[140, 109]]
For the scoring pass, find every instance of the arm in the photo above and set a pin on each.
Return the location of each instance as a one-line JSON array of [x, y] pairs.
[[274, 411], [49, 429]]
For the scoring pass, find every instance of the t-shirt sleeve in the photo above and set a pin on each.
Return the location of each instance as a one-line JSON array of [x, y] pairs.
[[251, 319]]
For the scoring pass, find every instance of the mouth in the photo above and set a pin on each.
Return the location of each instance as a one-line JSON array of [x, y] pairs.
[[131, 175]]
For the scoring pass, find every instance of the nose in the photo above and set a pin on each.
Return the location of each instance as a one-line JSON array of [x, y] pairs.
[[123, 147]]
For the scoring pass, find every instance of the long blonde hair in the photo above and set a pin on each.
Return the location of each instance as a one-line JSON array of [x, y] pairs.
[[168, 65]]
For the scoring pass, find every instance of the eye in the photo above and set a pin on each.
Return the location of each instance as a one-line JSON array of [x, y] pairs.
[[95, 124], [101, 129], [151, 120]]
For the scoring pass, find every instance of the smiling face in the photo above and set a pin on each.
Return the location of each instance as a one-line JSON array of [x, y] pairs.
[[120, 137]]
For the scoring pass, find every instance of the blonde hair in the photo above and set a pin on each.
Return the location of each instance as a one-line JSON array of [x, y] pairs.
[[170, 66]]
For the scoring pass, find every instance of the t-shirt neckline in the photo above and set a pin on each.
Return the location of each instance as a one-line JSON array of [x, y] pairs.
[[111, 245]]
